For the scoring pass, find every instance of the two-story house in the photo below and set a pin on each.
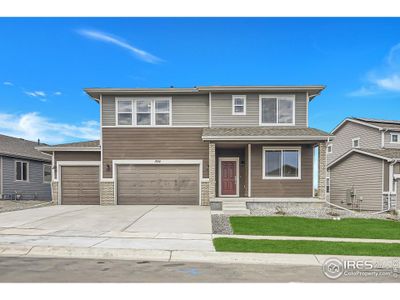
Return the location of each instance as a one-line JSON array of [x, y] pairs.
[[363, 164], [194, 146]]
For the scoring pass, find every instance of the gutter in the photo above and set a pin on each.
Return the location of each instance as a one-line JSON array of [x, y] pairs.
[[51, 149], [265, 138]]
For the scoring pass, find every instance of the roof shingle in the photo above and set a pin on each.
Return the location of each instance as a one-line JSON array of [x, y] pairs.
[[17, 147]]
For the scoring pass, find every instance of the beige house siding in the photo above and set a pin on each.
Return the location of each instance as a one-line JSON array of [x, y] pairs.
[[282, 188], [388, 144], [362, 172], [153, 143], [187, 110], [342, 142], [221, 110]]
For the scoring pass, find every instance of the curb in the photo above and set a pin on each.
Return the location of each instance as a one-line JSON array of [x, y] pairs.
[[176, 256]]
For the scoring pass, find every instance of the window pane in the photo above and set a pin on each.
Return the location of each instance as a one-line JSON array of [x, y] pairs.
[[18, 174], [143, 119], [239, 109], [47, 173], [125, 106], [162, 119], [239, 101], [162, 106], [143, 106], [285, 111], [273, 163], [290, 163], [268, 108], [125, 119], [24, 171], [395, 138]]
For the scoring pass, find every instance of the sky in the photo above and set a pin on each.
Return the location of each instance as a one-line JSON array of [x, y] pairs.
[[46, 62]]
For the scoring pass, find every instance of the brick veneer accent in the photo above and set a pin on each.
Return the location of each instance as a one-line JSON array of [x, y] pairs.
[[107, 193], [205, 197], [54, 192], [211, 171], [322, 170]]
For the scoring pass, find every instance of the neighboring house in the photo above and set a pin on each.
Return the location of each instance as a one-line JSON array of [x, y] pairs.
[[194, 146], [363, 164], [25, 173]]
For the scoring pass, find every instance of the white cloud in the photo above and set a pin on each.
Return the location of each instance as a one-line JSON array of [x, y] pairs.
[[32, 126], [391, 83], [57, 93], [36, 94], [362, 92], [8, 83], [104, 37]]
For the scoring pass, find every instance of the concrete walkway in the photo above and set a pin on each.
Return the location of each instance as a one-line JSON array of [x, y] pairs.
[[144, 227], [304, 238]]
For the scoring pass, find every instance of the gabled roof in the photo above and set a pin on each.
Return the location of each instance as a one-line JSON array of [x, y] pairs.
[[373, 123], [283, 133], [21, 148], [313, 90], [77, 146], [385, 154]]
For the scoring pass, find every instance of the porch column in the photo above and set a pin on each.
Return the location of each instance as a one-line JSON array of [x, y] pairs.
[[211, 170], [322, 171]]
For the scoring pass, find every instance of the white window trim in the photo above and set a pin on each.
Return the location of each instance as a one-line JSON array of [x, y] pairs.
[[234, 113], [292, 98], [352, 143], [281, 177], [235, 159], [51, 172], [134, 111], [330, 146], [391, 138], [27, 170]]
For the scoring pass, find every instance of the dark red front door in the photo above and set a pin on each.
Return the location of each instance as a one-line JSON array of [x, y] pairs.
[[228, 178]]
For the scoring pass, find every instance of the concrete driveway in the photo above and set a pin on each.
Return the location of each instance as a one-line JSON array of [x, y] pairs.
[[133, 227]]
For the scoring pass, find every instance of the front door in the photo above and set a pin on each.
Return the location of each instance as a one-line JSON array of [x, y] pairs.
[[228, 179]]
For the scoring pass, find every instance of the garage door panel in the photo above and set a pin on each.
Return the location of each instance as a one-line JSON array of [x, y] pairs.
[[80, 185], [158, 184]]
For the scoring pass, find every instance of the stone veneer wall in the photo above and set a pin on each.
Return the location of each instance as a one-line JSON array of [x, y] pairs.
[[322, 170], [205, 200], [54, 192], [107, 193], [211, 171]]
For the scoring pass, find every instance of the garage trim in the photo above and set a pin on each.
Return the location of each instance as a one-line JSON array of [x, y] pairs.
[[61, 164], [156, 162]]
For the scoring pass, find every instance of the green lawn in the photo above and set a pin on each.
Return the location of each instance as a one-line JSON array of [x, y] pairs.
[[296, 226], [306, 247]]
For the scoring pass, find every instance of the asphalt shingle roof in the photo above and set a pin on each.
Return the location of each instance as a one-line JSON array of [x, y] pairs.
[[388, 153], [264, 131], [17, 147], [95, 143], [387, 124]]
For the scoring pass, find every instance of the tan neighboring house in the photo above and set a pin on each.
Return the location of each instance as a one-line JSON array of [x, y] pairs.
[[364, 164], [194, 146]]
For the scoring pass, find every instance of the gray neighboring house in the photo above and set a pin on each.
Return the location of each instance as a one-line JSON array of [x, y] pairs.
[[364, 164], [25, 173]]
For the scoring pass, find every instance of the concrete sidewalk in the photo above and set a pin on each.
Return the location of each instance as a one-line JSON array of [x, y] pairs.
[[304, 238], [182, 256]]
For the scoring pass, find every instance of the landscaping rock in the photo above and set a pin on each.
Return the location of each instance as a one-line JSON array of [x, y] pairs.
[[221, 224]]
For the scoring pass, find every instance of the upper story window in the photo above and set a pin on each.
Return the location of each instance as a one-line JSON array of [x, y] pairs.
[[355, 143], [46, 173], [143, 112], [238, 105], [395, 138], [329, 148], [281, 163], [21, 171], [277, 109]]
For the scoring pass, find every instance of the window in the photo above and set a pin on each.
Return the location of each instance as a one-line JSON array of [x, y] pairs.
[[21, 171], [46, 173], [143, 112], [238, 105], [394, 138], [329, 148], [124, 112], [328, 185], [277, 110], [281, 163], [355, 143]]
